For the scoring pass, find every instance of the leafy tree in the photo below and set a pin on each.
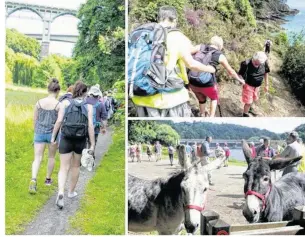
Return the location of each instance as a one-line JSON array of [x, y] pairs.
[[46, 70], [100, 49], [150, 131], [21, 43], [24, 70]]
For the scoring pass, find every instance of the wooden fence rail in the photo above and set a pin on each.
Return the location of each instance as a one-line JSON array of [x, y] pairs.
[[211, 224]]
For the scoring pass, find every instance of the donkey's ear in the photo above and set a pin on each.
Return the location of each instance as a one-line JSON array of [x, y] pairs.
[[247, 151], [281, 163]]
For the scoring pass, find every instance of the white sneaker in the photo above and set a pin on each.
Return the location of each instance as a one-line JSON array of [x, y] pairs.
[[72, 195]]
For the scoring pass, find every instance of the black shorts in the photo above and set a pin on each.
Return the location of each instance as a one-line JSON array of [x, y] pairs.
[[67, 146]]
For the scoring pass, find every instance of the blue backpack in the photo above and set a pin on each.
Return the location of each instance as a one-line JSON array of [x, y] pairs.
[[95, 122], [147, 73]]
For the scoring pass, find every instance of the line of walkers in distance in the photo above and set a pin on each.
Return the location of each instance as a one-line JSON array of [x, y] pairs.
[[70, 125], [166, 71], [293, 147]]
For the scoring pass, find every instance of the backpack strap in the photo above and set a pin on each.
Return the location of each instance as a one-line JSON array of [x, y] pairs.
[[39, 103], [56, 105]]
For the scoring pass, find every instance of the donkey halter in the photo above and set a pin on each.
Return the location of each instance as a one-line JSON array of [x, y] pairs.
[[262, 197], [195, 207]]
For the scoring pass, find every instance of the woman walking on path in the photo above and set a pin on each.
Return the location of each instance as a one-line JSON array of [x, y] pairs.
[[76, 122], [45, 115]]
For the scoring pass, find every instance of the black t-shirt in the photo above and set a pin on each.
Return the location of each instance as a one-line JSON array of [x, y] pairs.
[[252, 75]]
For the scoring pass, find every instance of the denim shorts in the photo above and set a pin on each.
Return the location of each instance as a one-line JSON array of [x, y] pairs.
[[42, 138]]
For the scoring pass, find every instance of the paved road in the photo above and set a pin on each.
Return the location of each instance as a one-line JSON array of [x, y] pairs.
[[226, 197], [52, 221]]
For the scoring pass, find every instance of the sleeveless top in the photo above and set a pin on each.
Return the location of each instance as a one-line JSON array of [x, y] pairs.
[[45, 120]]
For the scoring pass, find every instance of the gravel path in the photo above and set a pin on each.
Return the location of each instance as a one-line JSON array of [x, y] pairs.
[[52, 221], [226, 197]]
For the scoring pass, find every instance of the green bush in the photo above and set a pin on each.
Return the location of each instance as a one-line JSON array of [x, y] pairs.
[[294, 67]]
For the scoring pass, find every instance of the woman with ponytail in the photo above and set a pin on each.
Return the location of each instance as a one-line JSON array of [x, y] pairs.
[[45, 116]]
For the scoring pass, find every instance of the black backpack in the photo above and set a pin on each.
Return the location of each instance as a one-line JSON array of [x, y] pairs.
[[268, 43], [203, 56], [75, 124]]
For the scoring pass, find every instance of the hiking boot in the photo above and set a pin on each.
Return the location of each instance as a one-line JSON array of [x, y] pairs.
[[246, 115], [252, 111], [33, 187], [60, 201], [48, 182]]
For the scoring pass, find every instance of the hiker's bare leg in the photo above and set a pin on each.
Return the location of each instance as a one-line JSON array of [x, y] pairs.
[[65, 161], [51, 161], [246, 108], [74, 173], [202, 109], [213, 106], [38, 151]]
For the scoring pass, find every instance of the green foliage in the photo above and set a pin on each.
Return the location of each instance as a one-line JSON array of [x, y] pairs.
[[120, 86], [301, 130], [102, 210], [100, 50], [166, 135], [151, 131], [294, 66], [25, 69], [22, 44], [10, 58], [8, 75], [146, 11], [46, 70]]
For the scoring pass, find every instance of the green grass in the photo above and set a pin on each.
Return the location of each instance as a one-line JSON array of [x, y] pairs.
[[236, 162], [102, 208], [20, 206]]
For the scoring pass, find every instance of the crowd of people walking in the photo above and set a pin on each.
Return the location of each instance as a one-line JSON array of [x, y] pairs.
[[68, 125]]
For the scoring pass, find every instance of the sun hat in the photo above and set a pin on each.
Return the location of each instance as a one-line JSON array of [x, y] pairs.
[[95, 90]]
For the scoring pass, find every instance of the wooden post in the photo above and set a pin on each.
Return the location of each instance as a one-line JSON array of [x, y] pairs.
[[207, 216], [218, 227]]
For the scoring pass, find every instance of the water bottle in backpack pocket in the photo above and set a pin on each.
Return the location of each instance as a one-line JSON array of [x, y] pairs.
[[75, 124], [147, 73], [96, 124]]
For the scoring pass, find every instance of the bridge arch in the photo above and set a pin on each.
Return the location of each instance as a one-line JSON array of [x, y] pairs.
[[24, 8], [64, 14]]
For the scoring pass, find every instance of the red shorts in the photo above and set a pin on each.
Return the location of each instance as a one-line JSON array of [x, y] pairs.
[[203, 92], [250, 94]]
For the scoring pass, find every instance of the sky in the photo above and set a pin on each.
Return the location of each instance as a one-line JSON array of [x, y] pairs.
[[277, 125], [62, 25], [299, 4]]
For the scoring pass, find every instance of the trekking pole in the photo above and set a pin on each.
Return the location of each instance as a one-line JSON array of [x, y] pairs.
[[220, 113]]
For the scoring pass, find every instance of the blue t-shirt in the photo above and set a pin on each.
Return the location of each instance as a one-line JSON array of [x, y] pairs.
[[188, 149]]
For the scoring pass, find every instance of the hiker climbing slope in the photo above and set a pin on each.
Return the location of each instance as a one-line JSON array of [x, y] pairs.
[[159, 90], [204, 84], [268, 45], [254, 71]]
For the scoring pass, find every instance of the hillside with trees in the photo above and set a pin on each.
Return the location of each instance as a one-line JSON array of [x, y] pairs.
[[98, 56], [200, 130], [244, 26], [168, 132]]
